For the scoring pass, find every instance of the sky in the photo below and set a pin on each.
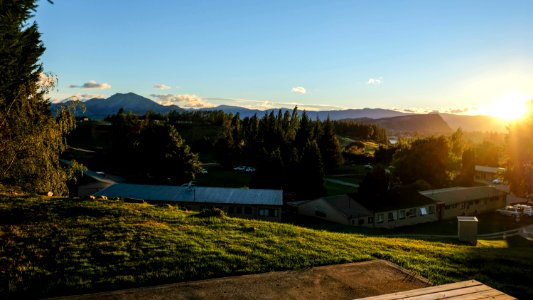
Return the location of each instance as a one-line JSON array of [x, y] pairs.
[[453, 56]]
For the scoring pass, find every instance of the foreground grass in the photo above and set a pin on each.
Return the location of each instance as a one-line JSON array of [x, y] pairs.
[[63, 246]]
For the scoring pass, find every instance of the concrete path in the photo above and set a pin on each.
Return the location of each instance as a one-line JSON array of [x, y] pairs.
[[346, 281]]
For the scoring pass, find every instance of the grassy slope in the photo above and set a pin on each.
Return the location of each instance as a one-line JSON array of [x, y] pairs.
[[63, 246]]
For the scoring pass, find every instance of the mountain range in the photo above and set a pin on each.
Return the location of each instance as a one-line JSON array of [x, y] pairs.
[[393, 121]]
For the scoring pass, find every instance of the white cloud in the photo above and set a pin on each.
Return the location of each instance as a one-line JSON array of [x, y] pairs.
[[374, 81], [92, 85], [299, 90], [161, 86], [184, 101]]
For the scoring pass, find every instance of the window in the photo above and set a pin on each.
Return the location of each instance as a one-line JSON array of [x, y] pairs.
[[268, 212], [353, 222], [411, 213], [370, 220], [422, 211], [379, 218], [401, 214], [431, 209], [390, 217], [247, 210]]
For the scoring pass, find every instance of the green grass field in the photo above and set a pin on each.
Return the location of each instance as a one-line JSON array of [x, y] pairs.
[[60, 246]]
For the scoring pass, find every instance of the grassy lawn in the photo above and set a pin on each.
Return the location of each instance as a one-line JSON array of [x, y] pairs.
[[337, 189], [51, 247]]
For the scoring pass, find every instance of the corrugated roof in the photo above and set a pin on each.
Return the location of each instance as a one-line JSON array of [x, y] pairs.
[[346, 205], [393, 200], [462, 194], [213, 195]]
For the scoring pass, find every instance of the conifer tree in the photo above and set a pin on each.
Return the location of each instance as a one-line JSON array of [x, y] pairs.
[[329, 147], [31, 139]]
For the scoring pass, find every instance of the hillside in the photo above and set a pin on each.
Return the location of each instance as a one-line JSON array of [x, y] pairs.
[[130, 102], [475, 123], [60, 246], [422, 124], [394, 121], [372, 113]]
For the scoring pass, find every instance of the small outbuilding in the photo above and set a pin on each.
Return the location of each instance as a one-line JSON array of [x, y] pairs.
[[467, 229]]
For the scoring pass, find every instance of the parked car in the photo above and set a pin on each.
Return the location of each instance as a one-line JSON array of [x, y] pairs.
[[510, 211], [250, 169], [497, 181]]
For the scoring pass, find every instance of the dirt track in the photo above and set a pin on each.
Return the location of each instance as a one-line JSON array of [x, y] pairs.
[[345, 281]]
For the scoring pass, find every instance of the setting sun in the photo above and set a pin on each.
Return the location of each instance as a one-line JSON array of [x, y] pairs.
[[509, 107]]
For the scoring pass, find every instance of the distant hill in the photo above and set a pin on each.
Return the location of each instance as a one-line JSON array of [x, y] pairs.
[[475, 123], [373, 113], [416, 123], [130, 102], [393, 121]]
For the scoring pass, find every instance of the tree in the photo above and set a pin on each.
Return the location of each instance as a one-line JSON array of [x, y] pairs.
[[466, 177], [488, 153], [310, 178], [31, 139], [426, 159], [329, 147], [520, 165], [376, 182], [165, 154]]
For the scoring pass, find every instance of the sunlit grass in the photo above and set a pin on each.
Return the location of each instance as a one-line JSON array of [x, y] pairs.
[[64, 246]]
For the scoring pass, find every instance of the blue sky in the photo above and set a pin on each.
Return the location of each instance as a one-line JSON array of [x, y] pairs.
[[421, 55]]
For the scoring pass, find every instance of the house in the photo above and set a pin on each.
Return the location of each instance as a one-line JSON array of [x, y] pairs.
[[339, 209], [466, 201], [243, 203], [485, 174], [399, 208]]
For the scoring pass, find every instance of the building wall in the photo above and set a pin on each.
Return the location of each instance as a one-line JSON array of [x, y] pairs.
[[259, 212], [472, 207], [321, 209], [484, 176], [405, 217]]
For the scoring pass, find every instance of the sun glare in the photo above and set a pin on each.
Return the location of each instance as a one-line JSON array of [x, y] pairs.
[[509, 107]]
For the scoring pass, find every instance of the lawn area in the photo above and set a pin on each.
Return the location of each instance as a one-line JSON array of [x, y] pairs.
[[60, 246]]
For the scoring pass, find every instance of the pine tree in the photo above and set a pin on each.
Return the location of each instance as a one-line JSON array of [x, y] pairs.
[[31, 139], [329, 147]]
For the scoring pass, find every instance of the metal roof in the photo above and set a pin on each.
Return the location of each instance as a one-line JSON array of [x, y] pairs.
[[214, 195], [462, 194], [347, 206], [486, 169]]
